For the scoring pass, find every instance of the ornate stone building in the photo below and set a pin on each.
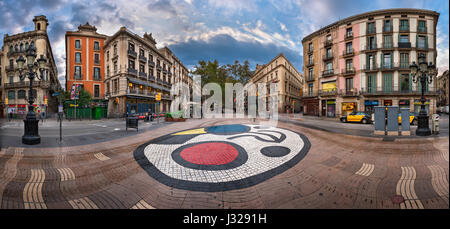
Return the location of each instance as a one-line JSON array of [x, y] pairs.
[[290, 83], [363, 61], [136, 70], [17, 90], [442, 85]]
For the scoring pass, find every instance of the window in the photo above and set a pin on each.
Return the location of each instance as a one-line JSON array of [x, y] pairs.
[[405, 83], [107, 70], [372, 43], [78, 57], [371, 27], [150, 57], [11, 94], [349, 65], [310, 48], [77, 44], [131, 64], [115, 49], [422, 42], [387, 41], [115, 67], [421, 27], [21, 94], [96, 91], [348, 48], [21, 47], [311, 74], [349, 84], [310, 88], [96, 73], [11, 79], [387, 60], [329, 53], [141, 52], [403, 39], [328, 38], [96, 58], [387, 26], [131, 46], [404, 25], [107, 56], [329, 66], [310, 59], [404, 60], [387, 83], [371, 83], [142, 68], [370, 62], [26, 46], [96, 46], [349, 32], [78, 72]]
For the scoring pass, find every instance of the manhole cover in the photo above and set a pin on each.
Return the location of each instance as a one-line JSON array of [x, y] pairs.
[[397, 199]]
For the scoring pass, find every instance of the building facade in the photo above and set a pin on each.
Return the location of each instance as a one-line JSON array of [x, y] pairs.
[[136, 70], [16, 89], [85, 60], [442, 85], [290, 83], [363, 61]]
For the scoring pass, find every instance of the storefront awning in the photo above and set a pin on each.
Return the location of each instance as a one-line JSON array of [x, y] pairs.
[[141, 82]]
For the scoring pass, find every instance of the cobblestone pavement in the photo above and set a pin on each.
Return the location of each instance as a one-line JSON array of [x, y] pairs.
[[338, 171]]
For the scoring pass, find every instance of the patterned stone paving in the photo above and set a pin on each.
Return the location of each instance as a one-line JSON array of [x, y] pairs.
[[338, 171]]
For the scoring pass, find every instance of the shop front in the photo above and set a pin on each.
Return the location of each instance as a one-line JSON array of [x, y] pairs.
[[329, 108], [404, 103], [369, 106], [387, 102], [136, 105], [348, 107], [311, 106]]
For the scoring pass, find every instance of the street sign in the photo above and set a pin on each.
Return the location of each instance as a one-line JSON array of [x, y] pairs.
[[55, 94], [60, 109], [73, 105]]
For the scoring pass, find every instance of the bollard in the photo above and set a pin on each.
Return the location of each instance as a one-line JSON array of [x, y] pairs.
[[392, 121], [379, 120], [406, 127]]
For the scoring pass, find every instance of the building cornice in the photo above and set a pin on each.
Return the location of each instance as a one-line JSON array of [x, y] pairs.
[[376, 13]]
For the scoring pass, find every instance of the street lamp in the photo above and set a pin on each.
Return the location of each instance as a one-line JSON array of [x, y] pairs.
[[31, 135], [423, 73]]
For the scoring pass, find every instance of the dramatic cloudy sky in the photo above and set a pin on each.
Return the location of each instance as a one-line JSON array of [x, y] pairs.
[[226, 30]]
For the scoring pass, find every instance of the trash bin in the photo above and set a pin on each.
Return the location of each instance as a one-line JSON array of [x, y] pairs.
[[435, 123], [97, 113], [132, 122]]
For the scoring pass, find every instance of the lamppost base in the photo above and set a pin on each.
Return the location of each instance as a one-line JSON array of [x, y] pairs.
[[423, 132], [31, 135], [423, 128]]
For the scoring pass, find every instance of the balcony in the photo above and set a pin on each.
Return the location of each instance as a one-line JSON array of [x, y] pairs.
[[309, 94], [42, 84], [421, 29], [327, 57], [151, 78], [422, 46], [387, 29], [132, 53], [97, 62], [143, 74], [404, 45], [349, 92], [328, 72], [370, 48], [132, 71], [403, 66], [387, 67], [78, 76], [310, 64], [328, 92], [310, 78], [169, 73], [310, 51], [370, 68], [142, 58], [164, 71], [371, 30], [348, 36], [151, 63], [327, 43], [375, 91], [348, 71], [404, 28], [159, 81], [348, 53], [158, 67], [385, 46], [96, 78]]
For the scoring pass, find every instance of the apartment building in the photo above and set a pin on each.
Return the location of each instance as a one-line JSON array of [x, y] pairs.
[[136, 70], [290, 83], [85, 60], [442, 85], [16, 89], [363, 61]]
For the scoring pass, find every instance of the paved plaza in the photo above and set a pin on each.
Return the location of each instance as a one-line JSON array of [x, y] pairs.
[[228, 163]]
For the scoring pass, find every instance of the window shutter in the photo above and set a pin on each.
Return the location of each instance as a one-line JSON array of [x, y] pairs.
[[392, 60], [382, 60]]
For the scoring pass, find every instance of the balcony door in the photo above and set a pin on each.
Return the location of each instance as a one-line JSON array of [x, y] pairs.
[[371, 83], [405, 83]]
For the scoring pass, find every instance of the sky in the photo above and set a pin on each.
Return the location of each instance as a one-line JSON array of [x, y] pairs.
[[226, 30]]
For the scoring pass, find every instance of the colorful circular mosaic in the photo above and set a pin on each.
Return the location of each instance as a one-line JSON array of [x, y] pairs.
[[221, 158]]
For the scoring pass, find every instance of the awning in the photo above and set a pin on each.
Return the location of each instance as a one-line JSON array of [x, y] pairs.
[[148, 84]]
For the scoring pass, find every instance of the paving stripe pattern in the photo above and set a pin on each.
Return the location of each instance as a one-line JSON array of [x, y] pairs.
[[365, 170], [142, 205], [32, 193], [83, 203], [66, 174], [101, 156], [439, 180], [10, 170], [405, 188]]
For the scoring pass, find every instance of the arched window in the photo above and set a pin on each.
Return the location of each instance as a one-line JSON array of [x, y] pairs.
[[39, 26], [21, 94], [11, 94], [26, 45], [21, 47], [11, 49], [16, 48], [32, 44]]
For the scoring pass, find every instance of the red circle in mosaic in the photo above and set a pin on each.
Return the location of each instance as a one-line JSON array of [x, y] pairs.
[[214, 153]]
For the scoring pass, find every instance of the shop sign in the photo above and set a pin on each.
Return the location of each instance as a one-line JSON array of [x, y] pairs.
[[12, 105], [331, 102], [371, 102], [348, 106], [403, 102], [417, 102]]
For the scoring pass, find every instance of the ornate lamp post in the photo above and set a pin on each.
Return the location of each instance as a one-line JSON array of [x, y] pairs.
[[423, 73], [31, 135]]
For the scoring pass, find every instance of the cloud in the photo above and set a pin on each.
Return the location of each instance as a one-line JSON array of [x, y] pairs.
[[164, 7]]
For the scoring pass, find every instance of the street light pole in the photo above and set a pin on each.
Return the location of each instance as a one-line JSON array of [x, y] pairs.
[[423, 73], [31, 135]]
